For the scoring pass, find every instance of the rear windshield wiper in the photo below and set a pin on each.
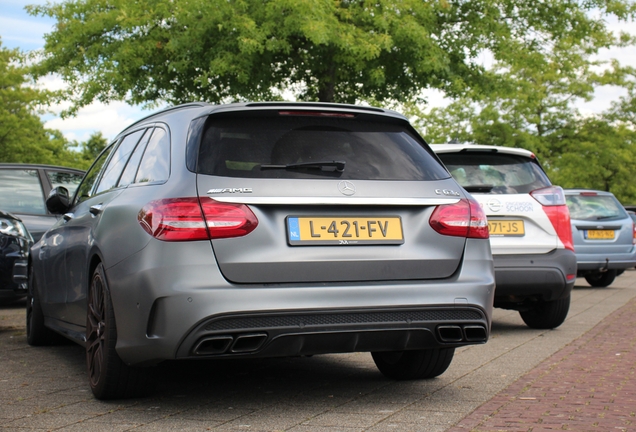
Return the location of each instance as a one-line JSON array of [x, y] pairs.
[[479, 188], [321, 165]]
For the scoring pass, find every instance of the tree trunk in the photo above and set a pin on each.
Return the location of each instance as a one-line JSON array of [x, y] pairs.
[[327, 85]]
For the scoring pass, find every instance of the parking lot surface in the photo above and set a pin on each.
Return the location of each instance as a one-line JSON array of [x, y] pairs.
[[579, 376]]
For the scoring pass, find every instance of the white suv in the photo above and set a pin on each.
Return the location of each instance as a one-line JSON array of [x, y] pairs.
[[529, 223]]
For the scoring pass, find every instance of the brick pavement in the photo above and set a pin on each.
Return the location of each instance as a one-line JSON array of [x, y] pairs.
[[589, 385]]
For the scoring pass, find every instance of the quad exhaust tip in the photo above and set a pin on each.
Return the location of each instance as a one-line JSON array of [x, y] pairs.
[[457, 333], [222, 344]]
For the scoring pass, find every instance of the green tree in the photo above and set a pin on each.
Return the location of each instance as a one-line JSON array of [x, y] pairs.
[[599, 154], [22, 134], [23, 137], [530, 103], [92, 147], [146, 51], [624, 110]]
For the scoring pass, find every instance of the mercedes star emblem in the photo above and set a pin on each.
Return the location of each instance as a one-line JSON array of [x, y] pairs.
[[346, 188]]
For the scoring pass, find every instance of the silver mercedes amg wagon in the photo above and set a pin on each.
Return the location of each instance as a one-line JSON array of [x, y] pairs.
[[263, 230]]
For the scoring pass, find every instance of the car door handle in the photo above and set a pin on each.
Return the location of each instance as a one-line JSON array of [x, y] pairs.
[[68, 216], [96, 209]]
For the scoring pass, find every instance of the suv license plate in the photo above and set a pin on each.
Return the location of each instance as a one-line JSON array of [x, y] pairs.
[[355, 230], [599, 234], [506, 228]]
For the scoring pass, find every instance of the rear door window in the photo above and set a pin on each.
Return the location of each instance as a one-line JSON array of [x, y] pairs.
[[495, 173], [84, 190], [21, 191], [155, 163], [116, 165], [132, 166], [278, 146]]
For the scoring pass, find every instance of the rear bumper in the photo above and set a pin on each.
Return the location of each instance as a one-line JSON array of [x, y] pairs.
[[595, 262], [293, 333], [534, 277], [166, 309]]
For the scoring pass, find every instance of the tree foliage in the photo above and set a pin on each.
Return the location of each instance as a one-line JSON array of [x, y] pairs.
[[146, 51], [601, 155], [90, 149], [533, 106], [23, 137]]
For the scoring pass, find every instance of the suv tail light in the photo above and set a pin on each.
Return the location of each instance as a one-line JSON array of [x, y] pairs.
[[552, 200], [188, 219], [462, 219]]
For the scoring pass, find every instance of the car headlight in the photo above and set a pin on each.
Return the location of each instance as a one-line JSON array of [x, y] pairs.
[[14, 228]]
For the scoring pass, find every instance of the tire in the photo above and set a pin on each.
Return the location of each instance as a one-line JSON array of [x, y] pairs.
[[601, 280], [37, 333], [109, 377], [547, 315], [417, 364]]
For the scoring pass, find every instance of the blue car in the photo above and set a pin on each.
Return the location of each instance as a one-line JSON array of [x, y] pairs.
[[603, 234]]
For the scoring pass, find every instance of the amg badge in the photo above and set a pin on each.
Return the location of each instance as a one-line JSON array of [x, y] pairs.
[[230, 190]]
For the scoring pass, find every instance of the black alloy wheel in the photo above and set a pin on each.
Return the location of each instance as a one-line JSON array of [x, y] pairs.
[[109, 377]]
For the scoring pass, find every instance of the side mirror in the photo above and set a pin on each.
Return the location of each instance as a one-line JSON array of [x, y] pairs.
[[58, 201]]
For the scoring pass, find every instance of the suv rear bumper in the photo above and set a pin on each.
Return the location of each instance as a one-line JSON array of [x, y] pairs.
[[596, 262], [534, 277]]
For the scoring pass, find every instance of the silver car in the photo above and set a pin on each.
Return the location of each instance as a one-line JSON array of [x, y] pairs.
[[603, 234], [263, 230]]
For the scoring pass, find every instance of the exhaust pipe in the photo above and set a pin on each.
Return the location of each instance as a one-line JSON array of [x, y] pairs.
[[467, 333], [474, 333], [248, 342], [450, 333], [213, 345]]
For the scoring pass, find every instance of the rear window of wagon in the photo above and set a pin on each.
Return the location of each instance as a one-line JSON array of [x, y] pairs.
[[594, 207], [239, 146]]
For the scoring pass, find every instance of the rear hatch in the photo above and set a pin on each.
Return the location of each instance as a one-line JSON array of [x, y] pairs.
[[335, 196], [513, 191], [599, 223]]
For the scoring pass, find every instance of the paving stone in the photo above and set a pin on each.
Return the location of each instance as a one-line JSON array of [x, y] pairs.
[[576, 377]]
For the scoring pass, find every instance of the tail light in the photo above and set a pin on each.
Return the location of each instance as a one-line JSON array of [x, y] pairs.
[[189, 219], [634, 231], [552, 200], [462, 219]]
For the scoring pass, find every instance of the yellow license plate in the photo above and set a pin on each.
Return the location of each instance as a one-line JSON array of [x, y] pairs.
[[599, 234], [506, 228], [355, 230]]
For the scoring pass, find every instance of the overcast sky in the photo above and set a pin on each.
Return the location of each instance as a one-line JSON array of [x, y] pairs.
[[20, 30]]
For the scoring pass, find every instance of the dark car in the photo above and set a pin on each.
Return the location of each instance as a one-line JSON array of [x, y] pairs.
[[15, 242], [24, 188], [604, 235], [263, 230]]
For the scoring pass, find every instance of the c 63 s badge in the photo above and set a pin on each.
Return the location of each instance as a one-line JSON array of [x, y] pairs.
[[446, 192], [230, 190]]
